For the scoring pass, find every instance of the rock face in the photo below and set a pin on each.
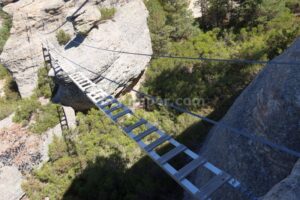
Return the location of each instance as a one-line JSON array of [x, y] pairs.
[[10, 189], [36, 21], [21, 152], [268, 107], [287, 189], [194, 6]]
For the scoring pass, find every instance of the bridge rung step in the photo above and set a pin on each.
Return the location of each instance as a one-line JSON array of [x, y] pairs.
[[121, 114], [189, 168], [76, 76], [86, 84], [171, 154], [102, 106], [134, 126], [114, 108], [97, 97], [213, 184], [81, 82], [157, 142], [140, 136], [87, 87]]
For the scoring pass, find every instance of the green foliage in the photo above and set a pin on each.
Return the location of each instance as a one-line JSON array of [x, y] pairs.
[[44, 83], [260, 30], [57, 149], [62, 37], [107, 13], [104, 153], [11, 89], [3, 72], [270, 29], [45, 117], [160, 32], [5, 29], [25, 110], [96, 138], [6, 108], [179, 18]]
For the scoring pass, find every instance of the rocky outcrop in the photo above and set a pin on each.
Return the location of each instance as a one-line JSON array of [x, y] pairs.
[[10, 187], [268, 107], [287, 189], [20, 153], [195, 7], [7, 122], [39, 20]]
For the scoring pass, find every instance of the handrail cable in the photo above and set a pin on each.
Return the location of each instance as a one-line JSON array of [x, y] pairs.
[[237, 131], [190, 58]]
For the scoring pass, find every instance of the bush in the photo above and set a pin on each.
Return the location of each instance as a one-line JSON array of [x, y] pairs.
[[107, 13], [6, 108], [44, 83], [5, 29], [57, 149], [3, 72], [25, 110], [62, 37], [11, 90], [45, 117]]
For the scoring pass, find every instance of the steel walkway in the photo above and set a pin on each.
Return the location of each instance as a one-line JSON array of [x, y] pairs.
[[117, 111]]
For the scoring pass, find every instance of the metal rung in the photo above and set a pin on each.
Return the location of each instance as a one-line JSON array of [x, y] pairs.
[[107, 103], [189, 168], [213, 184], [97, 98], [171, 154], [121, 114], [157, 142], [77, 77], [87, 87], [140, 136], [86, 84], [107, 98], [82, 81], [74, 75], [114, 108], [134, 126]]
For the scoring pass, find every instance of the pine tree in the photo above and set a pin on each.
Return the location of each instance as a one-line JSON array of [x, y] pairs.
[[179, 18], [160, 32]]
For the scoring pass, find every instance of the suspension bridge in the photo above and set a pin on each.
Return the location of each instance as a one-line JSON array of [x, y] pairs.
[[117, 111]]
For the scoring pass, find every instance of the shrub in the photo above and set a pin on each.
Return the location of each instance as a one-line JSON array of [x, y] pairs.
[[107, 13], [25, 110], [46, 117], [6, 108], [57, 149], [3, 72], [62, 37], [11, 90], [44, 84], [5, 29]]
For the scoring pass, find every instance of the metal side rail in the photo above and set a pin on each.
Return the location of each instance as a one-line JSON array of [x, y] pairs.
[[108, 104]]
